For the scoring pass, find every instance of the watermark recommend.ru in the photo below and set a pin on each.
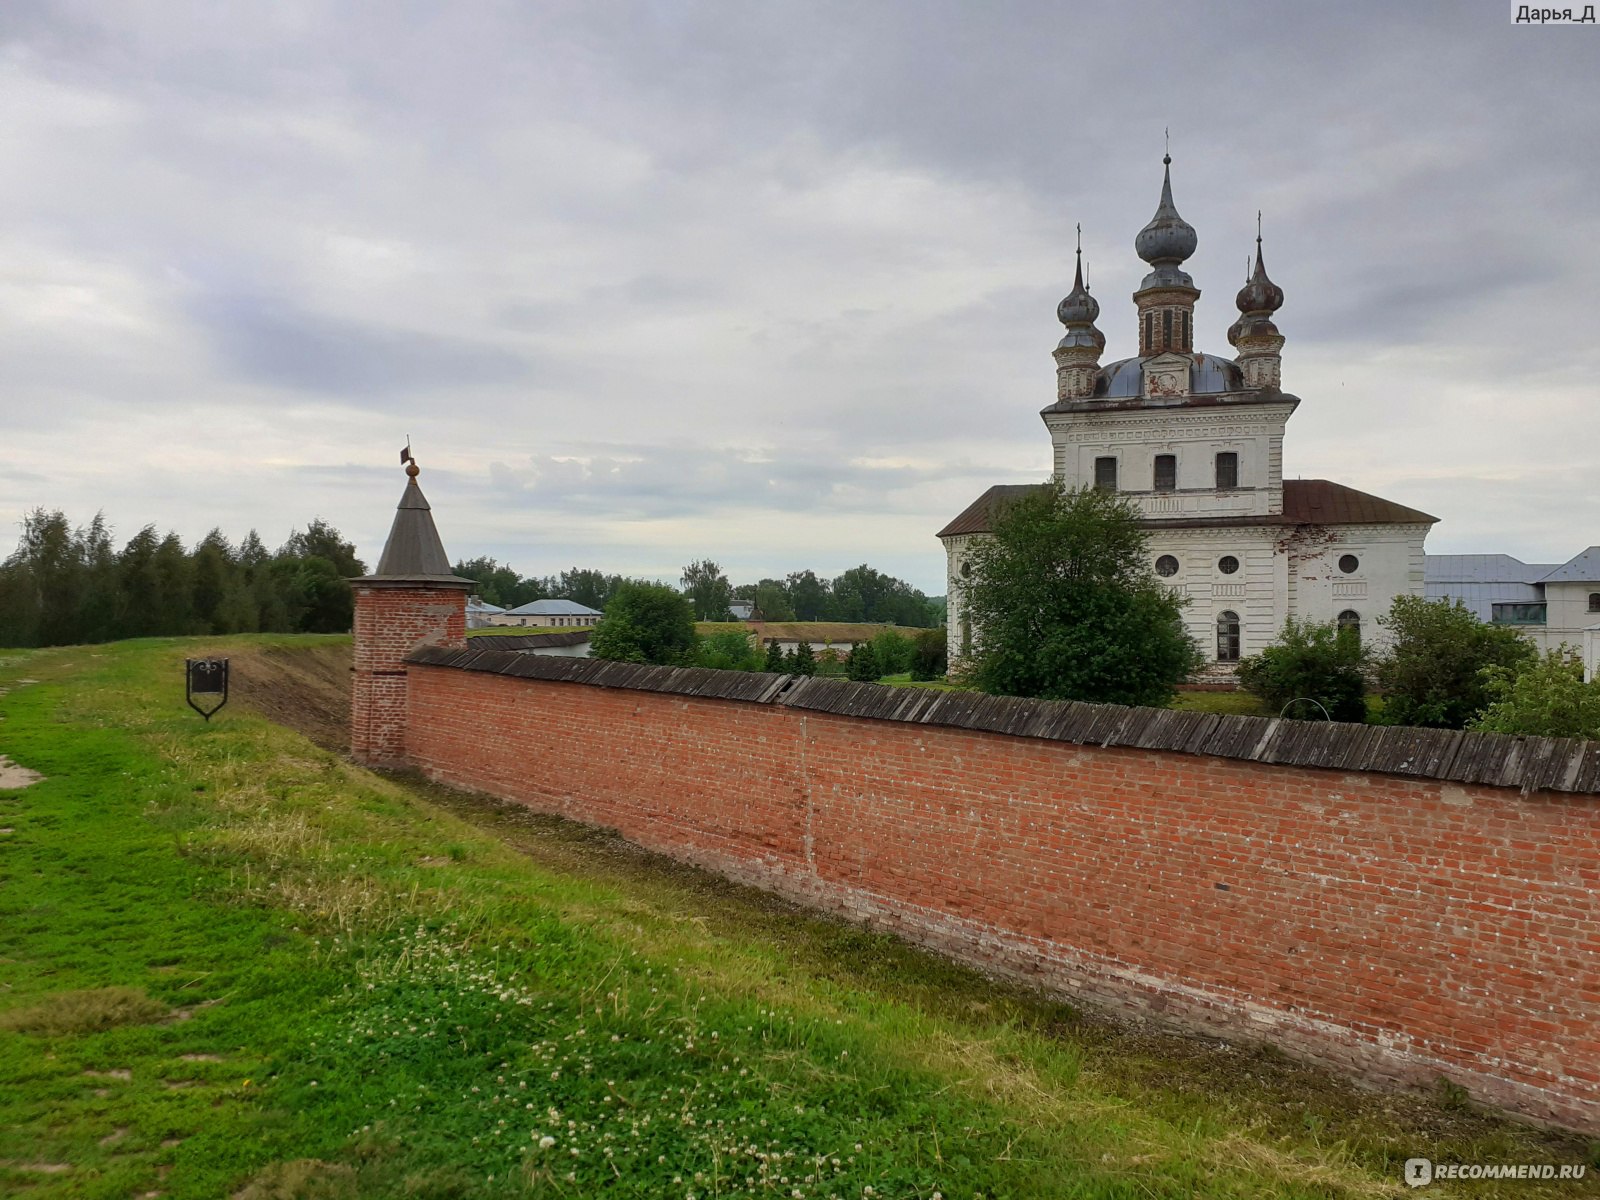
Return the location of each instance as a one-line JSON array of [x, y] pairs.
[[1422, 1171]]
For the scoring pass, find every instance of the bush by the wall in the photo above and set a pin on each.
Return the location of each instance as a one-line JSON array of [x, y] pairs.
[[1310, 662]]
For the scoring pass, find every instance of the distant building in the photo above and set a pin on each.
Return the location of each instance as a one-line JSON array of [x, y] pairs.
[[743, 610], [1195, 441], [1554, 604], [549, 614], [480, 612]]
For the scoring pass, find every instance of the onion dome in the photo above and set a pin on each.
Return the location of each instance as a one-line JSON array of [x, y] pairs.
[[1079, 311], [1167, 240], [1257, 300], [1260, 294]]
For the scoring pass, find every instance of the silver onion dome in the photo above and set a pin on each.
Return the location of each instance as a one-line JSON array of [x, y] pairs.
[[1167, 240]]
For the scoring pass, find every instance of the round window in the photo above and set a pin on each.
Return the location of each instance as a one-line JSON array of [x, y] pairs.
[[1227, 564], [1349, 564], [1166, 566], [966, 570]]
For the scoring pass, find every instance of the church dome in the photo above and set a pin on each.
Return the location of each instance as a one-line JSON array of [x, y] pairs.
[[1168, 239], [1209, 375], [1259, 294], [1079, 308]]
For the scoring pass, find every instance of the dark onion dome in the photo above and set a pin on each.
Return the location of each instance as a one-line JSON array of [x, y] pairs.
[[1168, 239], [1259, 294]]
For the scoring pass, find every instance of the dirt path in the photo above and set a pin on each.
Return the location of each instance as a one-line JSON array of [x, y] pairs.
[[306, 688]]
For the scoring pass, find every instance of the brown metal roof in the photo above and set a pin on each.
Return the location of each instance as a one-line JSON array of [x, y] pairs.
[[1320, 502], [978, 517], [1305, 502]]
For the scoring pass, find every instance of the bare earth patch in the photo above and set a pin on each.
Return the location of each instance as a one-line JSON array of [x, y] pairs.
[[13, 776], [84, 1012]]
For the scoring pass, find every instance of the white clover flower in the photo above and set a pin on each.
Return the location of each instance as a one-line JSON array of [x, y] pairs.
[[546, 1142]]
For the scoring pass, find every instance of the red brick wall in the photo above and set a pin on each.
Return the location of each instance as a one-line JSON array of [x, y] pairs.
[[390, 623], [1401, 928]]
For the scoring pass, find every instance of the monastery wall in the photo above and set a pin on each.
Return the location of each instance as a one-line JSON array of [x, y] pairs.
[[1404, 904]]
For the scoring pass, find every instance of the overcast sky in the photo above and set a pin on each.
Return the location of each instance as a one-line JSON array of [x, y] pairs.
[[772, 283]]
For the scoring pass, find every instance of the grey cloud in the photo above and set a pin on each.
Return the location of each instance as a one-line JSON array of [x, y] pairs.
[[275, 342]]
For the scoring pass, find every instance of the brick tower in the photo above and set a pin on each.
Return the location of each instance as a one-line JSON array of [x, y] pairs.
[[414, 599]]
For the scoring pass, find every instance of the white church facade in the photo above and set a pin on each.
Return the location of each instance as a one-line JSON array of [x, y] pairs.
[[1195, 441]]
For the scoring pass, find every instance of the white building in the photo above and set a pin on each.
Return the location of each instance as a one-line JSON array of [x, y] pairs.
[[1554, 604], [480, 613], [549, 614], [1195, 440]]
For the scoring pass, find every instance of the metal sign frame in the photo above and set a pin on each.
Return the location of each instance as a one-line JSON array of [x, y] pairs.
[[205, 677]]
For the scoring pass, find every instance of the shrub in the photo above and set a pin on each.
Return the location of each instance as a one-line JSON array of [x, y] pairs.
[[930, 655], [805, 661], [1546, 697], [1310, 662], [863, 665], [1433, 674], [775, 658], [730, 650], [893, 652]]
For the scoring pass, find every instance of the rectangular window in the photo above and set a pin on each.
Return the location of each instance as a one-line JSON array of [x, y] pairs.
[[1227, 469], [1166, 472], [1105, 474], [1518, 614]]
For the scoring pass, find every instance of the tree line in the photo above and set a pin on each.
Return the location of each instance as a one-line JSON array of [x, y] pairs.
[[860, 594], [65, 585]]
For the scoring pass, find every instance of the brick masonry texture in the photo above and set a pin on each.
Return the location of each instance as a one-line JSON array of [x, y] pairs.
[[390, 622], [1402, 928]]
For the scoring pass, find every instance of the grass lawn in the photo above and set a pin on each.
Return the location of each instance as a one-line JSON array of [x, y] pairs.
[[234, 965]]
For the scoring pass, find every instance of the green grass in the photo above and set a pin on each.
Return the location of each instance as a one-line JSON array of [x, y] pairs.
[[233, 964]]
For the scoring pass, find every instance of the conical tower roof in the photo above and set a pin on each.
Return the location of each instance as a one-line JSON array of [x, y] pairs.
[[414, 553]]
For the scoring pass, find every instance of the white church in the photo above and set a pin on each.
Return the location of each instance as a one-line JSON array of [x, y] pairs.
[[1195, 440]]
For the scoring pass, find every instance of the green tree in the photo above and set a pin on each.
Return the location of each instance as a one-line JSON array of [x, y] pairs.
[[809, 597], [770, 596], [1312, 662], [862, 664], [1064, 605], [174, 573], [322, 540], [894, 652], [708, 590], [730, 650], [497, 584], [646, 623], [213, 570], [324, 597], [1433, 672], [138, 586], [930, 658], [775, 660], [805, 661], [99, 615], [1546, 697]]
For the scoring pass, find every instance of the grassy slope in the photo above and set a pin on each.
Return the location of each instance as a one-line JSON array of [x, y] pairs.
[[337, 984]]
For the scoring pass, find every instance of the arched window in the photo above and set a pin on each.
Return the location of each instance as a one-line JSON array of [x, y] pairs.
[[1227, 636], [966, 634], [1594, 601], [1350, 620]]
